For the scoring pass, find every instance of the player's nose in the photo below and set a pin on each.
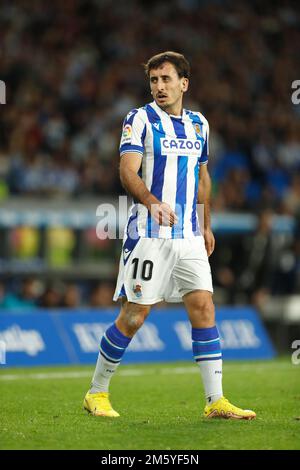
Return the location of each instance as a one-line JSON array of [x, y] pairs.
[[160, 85]]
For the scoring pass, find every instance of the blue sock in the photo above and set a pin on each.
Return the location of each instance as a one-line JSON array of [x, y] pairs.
[[207, 353], [112, 348], [113, 344]]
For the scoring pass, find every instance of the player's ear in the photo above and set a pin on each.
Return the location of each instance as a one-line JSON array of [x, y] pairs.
[[185, 84]]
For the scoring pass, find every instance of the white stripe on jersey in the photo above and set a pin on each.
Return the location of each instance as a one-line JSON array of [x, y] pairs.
[[169, 187], [189, 129], [147, 172]]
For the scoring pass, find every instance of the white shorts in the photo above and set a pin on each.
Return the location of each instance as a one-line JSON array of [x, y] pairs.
[[163, 269]]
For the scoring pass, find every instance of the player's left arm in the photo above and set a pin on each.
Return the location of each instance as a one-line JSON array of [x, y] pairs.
[[204, 192]]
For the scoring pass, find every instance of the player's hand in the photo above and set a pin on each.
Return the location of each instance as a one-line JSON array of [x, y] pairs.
[[163, 214], [209, 240]]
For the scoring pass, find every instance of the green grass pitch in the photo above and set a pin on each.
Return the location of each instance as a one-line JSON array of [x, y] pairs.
[[161, 407]]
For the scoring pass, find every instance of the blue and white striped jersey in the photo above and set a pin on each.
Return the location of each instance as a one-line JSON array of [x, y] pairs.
[[172, 147]]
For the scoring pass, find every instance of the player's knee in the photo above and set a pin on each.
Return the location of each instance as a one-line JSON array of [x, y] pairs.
[[207, 314], [207, 310], [203, 308]]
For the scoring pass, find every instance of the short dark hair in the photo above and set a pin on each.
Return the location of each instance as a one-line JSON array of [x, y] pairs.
[[178, 60]]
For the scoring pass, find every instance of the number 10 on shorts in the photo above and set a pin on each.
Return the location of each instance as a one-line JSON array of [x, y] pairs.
[[146, 268]]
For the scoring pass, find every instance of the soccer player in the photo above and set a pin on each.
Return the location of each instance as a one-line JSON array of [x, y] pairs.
[[164, 153]]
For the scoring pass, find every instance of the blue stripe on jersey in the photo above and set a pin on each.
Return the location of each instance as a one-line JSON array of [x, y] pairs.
[[144, 134], [195, 226], [152, 228], [182, 163], [196, 120], [130, 116], [131, 148], [181, 184], [204, 155]]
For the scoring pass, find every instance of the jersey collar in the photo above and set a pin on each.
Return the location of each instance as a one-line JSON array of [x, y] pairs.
[[161, 112]]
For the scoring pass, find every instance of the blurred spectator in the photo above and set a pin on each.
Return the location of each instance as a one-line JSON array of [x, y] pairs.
[[25, 298], [2, 294], [52, 296], [248, 269], [102, 294], [55, 295], [71, 296], [255, 276], [291, 200]]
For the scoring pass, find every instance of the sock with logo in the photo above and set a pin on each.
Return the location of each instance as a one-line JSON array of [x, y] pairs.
[[112, 348], [207, 353]]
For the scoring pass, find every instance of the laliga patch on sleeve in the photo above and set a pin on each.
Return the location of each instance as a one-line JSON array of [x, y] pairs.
[[126, 134]]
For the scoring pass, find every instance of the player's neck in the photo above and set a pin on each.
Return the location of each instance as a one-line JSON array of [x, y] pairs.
[[174, 110]]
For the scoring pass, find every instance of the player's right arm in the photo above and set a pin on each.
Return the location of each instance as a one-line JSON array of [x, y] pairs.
[[204, 192], [135, 186]]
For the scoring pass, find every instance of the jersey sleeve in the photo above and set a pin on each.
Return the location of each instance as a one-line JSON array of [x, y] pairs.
[[205, 151], [133, 133]]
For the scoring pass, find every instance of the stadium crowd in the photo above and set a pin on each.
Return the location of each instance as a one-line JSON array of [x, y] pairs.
[[73, 70], [32, 293]]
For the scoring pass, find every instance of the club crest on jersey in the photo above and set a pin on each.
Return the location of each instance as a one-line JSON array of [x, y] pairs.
[[137, 290], [197, 128], [126, 134]]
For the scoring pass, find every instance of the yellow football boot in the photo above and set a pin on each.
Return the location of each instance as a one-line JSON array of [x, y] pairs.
[[98, 404], [223, 409]]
